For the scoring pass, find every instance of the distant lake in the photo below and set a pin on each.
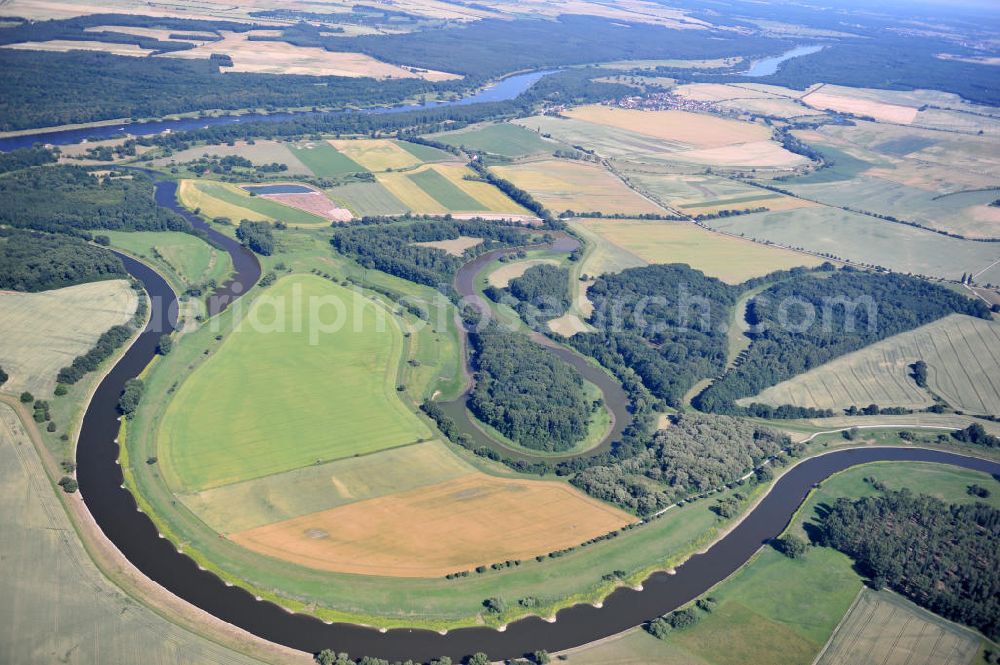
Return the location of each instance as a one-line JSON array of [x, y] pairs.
[[278, 189], [769, 66]]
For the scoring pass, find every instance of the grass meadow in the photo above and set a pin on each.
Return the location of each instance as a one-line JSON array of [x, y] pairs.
[[183, 258], [268, 402]]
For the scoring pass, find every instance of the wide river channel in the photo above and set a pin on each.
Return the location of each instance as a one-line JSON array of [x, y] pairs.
[[115, 511]]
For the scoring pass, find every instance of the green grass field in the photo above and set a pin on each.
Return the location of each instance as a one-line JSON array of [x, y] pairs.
[[500, 139], [324, 160], [367, 198], [58, 606], [271, 399], [184, 258], [444, 191]]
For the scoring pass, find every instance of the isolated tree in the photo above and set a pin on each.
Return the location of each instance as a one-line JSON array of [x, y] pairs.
[[326, 657], [478, 658], [541, 657], [27, 398], [791, 546], [920, 373], [165, 344], [3, 376]]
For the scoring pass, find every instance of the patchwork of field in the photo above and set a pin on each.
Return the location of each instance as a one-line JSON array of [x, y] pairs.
[[867, 240], [963, 358], [438, 529], [740, 97], [220, 199], [267, 57], [500, 139], [456, 247], [885, 629], [190, 258], [315, 488], [388, 154], [58, 607], [561, 184], [443, 188], [733, 260], [701, 194], [43, 332], [259, 152], [881, 111], [676, 137], [283, 392], [367, 198], [313, 202]]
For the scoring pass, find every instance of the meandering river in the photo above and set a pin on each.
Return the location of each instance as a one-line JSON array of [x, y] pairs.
[[115, 511]]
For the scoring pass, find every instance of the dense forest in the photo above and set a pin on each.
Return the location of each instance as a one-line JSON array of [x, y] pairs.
[[527, 393], [943, 557], [665, 322], [533, 44], [542, 293], [15, 160], [801, 323], [33, 261], [386, 244], [44, 89], [70, 199], [695, 454]]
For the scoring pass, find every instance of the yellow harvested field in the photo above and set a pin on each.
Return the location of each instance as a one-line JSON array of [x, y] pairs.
[[766, 154], [376, 154], [267, 57], [697, 130], [580, 186], [733, 260], [503, 275], [568, 325], [882, 628], [454, 247], [40, 333], [65, 45], [447, 527], [903, 115]]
